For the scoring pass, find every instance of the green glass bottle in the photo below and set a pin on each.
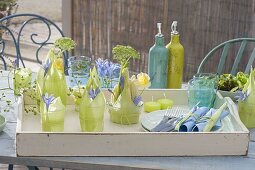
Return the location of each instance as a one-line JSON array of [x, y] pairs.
[[158, 59], [175, 59]]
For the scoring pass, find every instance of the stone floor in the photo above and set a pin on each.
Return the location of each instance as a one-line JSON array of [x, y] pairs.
[[27, 47], [47, 8], [19, 167]]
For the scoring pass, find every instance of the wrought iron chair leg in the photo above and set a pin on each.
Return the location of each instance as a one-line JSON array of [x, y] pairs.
[[32, 168], [10, 167]]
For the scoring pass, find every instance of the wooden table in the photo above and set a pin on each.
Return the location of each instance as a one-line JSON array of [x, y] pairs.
[[8, 156]]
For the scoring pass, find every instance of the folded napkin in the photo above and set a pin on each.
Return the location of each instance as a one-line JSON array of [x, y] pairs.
[[214, 118], [188, 123], [203, 121]]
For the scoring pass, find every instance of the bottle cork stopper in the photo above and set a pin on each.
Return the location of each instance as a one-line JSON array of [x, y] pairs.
[[159, 27], [174, 27]]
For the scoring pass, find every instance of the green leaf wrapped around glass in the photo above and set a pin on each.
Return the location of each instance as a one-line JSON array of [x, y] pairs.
[[92, 105], [51, 80], [52, 114], [126, 104], [54, 81], [246, 102]]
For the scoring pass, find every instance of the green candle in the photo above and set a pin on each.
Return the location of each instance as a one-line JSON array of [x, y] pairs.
[[165, 103], [151, 106]]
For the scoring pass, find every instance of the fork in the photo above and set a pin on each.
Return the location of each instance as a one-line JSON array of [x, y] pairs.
[[176, 112], [170, 119]]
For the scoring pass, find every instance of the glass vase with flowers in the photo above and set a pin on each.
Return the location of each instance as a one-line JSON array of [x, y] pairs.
[[126, 101]]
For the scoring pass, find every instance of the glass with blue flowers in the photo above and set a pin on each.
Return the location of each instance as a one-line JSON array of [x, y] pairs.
[[108, 72]]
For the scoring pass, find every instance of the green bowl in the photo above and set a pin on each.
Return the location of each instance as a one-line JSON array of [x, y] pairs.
[[228, 94], [2, 123]]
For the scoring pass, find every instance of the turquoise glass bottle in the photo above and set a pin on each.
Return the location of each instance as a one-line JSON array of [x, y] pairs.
[[158, 59]]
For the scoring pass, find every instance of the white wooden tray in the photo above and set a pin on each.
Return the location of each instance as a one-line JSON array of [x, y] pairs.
[[128, 140]]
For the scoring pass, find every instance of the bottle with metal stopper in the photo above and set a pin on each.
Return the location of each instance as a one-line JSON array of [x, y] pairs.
[[157, 63], [175, 59]]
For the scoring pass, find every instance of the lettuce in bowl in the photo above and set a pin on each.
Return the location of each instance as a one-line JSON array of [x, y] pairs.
[[228, 82]]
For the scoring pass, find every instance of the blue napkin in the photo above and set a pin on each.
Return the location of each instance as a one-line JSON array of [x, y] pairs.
[[189, 124], [201, 123]]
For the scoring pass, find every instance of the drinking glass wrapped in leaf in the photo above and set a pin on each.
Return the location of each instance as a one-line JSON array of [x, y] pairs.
[[246, 102], [92, 105], [54, 78], [52, 114], [126, 104]]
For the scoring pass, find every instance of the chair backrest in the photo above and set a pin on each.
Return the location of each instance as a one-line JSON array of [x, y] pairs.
[[226, 45], [16, 36]]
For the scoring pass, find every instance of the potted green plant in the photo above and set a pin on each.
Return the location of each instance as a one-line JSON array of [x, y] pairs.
[[126, 102]]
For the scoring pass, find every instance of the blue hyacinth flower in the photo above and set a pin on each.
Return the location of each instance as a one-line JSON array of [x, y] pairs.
[[137, 100], [46, 66], [93, 93], [47, 100]]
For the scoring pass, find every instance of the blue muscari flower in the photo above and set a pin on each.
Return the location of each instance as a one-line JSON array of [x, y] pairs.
[[240, 95], [100, 67], [112, 69], [47, 99], [107, 69], [137, 100], [46, 66], [93, 93]]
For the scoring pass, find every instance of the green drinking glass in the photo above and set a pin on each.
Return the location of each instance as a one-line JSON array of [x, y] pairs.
[[52, 119], [92, 118], [202, 90]]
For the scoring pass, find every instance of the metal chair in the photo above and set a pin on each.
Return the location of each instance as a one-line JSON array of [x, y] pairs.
[[16, 37], [226, 45]]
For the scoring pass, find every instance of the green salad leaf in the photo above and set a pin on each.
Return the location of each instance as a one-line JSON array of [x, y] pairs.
[[228, 82]]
